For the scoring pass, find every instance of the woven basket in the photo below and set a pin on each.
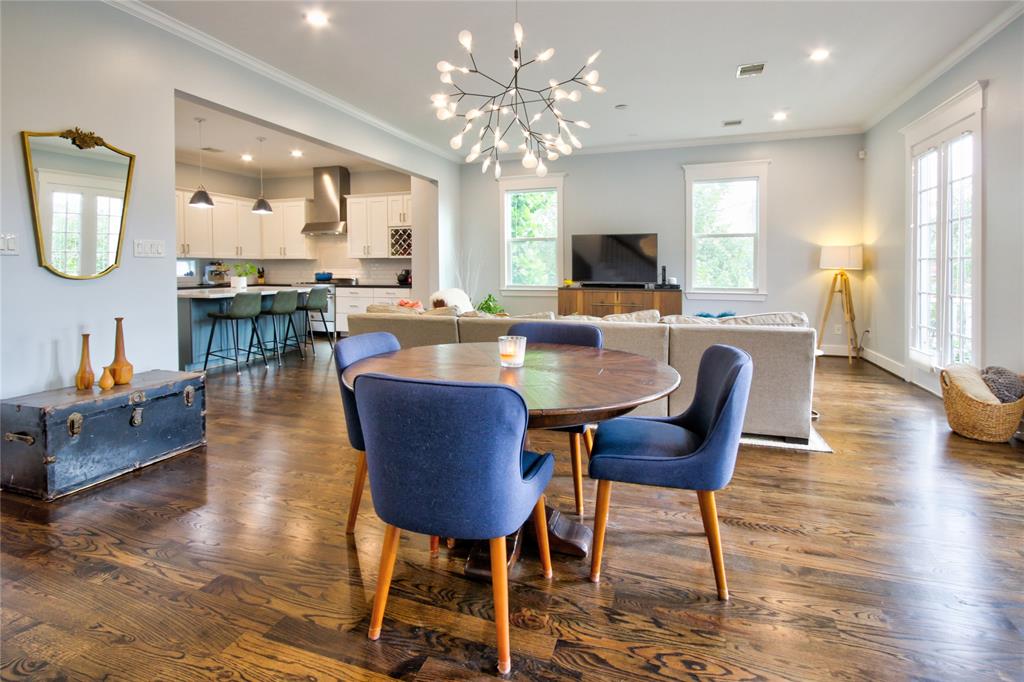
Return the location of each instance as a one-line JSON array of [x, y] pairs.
[[994, 423]]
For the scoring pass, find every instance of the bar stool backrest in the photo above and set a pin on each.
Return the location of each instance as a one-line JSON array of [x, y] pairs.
[[285, 302], [317, 298], [245, 304]]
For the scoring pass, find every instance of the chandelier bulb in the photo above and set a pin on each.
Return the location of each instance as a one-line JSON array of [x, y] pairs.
[[485, 165], [535, 117], [574, 96], [542, 170], [502, 146], [497, 169], [466, 40], [529, 160], [444, 67], [593, 57], [560, 94], [456, 142], [597, 88], [517, 31], [444, 114], [553, 83], [552, 156], [583, 124], [546, 54], [446, 78], [592, 77], [473, 113], [515, 62], [473, 155]]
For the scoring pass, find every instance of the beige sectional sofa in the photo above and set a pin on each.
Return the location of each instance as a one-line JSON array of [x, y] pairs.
[[780, 394]]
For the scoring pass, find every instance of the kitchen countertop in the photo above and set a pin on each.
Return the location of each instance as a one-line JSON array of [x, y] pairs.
[[362, 285], [228, 292]]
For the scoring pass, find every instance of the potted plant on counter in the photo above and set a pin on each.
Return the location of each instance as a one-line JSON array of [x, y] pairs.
[[243, 271]]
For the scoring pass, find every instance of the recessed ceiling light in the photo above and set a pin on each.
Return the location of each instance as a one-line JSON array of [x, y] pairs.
[[819, 55], [622, 107], [247, 157], [296, 153], [780, 116], [316, 18]]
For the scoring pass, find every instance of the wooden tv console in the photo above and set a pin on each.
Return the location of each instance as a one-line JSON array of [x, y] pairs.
[[600, 301]]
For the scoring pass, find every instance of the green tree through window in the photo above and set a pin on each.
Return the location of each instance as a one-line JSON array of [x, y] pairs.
[[532, 247]]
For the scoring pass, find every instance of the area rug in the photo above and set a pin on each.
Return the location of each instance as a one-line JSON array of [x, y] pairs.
[[814, 444]]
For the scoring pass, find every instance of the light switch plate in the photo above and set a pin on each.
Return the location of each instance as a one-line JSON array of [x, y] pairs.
[[148, 248], [8, 245]]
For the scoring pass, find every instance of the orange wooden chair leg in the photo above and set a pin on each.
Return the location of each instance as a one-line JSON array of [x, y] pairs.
[[604, 496], [499, 583], [709, 515], [388, 552], [575, 445], [357, 493], [435, 544], [588, 440], [540, 525]]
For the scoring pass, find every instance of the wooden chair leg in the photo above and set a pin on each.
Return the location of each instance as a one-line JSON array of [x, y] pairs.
[[435, 544], [604, 496], [588, 440], [499, 583], [357, 493], [540, 526], [575, 445], [388, 552], [709, 515]]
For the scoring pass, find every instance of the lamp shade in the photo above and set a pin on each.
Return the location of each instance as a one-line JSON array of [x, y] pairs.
[[262, 206], [842, 258], [201, 199]]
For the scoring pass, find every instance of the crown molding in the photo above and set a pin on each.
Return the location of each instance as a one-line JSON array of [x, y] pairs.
[[163, 21], [719, 140], [979, 38]]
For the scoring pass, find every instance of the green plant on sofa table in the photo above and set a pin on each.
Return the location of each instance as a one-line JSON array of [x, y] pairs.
[[490, 305]]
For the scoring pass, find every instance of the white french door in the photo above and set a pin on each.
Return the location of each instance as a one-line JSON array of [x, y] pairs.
[[945, 287]]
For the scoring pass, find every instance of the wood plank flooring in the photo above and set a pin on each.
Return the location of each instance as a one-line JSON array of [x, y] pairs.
[[898, 557]]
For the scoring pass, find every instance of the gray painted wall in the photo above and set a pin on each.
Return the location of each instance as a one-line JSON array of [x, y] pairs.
[[815, 189], [134, 70], [1000, 61], [186, 176]]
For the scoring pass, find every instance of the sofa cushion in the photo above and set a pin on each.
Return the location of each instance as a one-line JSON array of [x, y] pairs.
[[580, 318], [783, 319], [636, 316], [390, 309], [444, 311], [411, 330]]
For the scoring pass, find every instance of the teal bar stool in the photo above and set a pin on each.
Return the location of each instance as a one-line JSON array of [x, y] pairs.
[[316, 302], [244, 306], [281, 312]]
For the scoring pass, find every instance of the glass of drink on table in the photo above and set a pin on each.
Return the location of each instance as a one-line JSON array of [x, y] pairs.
[[512, 350]]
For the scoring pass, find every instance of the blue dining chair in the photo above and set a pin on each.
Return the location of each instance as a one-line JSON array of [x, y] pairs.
[[573, 335], [432, 471], [695, 450], [349, 351]]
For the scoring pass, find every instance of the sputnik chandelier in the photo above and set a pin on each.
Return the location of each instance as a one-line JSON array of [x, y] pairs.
[[514, 108]]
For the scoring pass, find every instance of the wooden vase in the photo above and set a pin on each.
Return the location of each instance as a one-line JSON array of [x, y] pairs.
[[85, 377], [106, 380], [120, 368]]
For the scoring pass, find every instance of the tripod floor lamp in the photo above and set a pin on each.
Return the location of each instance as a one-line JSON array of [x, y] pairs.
[[842, 258]]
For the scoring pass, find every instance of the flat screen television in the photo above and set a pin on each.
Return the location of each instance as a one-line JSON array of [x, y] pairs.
[[615, 258]]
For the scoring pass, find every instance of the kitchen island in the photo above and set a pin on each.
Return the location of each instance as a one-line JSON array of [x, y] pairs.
[[194, 322]]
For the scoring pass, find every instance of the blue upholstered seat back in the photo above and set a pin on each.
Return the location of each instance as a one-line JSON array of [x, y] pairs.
[[447, 458], [559, 332], [349, 351]]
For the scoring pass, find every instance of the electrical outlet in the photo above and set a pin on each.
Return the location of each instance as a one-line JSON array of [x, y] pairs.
[[837, 329]]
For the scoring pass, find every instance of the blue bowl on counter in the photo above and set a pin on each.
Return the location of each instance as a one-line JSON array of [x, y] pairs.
[[323, 276]]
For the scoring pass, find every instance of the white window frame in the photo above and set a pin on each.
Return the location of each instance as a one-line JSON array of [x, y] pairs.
[[553, 181], [961, 114], [726, 171]]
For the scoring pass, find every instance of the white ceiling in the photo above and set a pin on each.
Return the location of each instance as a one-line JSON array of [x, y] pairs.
[[236, 135], [673, 63]]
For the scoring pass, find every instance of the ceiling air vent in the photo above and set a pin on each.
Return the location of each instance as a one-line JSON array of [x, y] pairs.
[[733, 122], [748, 70], [213, 150]]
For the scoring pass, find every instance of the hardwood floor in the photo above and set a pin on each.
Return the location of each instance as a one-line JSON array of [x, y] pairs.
[[897, 557]]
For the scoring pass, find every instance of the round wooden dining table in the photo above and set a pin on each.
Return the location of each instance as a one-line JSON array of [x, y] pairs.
[[562, 385]]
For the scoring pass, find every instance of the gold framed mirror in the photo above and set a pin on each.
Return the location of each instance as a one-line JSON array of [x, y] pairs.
[[79, 187]]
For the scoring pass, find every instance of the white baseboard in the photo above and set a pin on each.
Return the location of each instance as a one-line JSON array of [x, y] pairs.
[[874, 357]]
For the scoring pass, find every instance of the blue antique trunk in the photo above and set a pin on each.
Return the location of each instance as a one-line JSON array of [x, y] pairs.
[[58, 442]]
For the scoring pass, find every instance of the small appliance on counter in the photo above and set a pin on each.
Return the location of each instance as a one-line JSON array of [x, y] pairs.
[[261, 276], [216, 273], [404, 277]]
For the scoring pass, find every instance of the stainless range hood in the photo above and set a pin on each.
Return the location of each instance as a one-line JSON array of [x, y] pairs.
[[327, 213]]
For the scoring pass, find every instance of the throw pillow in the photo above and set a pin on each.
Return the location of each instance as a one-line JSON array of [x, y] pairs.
[[451, 297], [638, 316], [1005, 384], [390, 308], [411, 304], [588, 318], [446, 311], [688, 319], [768, 320], [476, 313], [536, 316], [968, 379]]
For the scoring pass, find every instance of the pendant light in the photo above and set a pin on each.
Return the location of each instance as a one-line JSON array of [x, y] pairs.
[[262, 206], [201, 198]]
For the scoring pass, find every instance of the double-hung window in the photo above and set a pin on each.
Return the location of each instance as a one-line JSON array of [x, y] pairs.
[[531, 231], [726, 215], [944, 283]]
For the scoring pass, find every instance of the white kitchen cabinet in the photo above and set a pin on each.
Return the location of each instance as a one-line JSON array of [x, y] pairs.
[[399, 210], [368, 228], [250, 239], [195, 228], [392, 296], [348, 302], [225, 227], [282, 230]]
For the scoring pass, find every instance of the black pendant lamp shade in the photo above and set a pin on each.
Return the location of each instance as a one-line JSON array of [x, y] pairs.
[[262, 206], [201, 198]]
